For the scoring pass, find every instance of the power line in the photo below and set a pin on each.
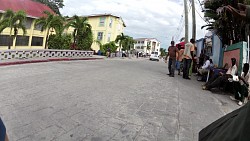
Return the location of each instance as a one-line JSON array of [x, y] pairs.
[[180, 31]]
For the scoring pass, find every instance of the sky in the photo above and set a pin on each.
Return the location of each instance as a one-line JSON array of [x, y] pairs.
[[160, 19]]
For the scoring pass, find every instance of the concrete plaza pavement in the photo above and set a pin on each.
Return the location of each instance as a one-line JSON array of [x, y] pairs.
[[109, 99]]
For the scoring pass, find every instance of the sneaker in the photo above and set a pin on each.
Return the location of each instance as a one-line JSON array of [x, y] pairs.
[[204, 87], [245, 100], [232, 98], [240, 103]]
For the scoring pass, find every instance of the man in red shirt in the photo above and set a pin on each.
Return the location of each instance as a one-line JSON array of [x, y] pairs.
[[173, 54]]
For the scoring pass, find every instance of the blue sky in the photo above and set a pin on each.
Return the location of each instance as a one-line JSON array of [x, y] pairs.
[[144, 18]]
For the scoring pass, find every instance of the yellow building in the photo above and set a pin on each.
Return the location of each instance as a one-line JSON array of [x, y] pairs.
[[34, 38], [105, 28]]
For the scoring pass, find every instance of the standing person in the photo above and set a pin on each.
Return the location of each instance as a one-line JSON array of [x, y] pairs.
[[179, 59], [188, 57], [173, 54]]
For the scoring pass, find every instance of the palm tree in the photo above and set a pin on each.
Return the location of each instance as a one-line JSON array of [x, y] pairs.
[[148, 47], [82, 29], [120, 39], [50, 22], [14, 21]]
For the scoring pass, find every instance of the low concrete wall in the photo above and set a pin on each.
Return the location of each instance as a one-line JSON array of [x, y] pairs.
[[21, 54]]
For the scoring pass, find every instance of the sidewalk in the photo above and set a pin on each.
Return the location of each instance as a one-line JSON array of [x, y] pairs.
[[46, 59]]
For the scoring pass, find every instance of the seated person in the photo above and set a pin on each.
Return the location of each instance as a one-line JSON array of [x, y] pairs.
[[222, 78], [205, 68], [241, 86], [211, 63]]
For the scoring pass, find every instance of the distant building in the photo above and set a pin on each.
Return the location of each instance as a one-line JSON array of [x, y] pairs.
[[34, 39], [141, 45], [105, 28]]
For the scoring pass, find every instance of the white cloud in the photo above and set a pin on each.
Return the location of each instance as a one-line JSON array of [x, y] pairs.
[[144, 18]]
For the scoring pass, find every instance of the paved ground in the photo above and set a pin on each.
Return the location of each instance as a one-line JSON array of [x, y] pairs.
[[111, 99]]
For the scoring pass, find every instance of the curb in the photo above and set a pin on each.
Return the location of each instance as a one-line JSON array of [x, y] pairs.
[[45, 60]]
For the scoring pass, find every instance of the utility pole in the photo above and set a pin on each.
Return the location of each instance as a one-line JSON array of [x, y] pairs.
[[194, 21], [186, 20]]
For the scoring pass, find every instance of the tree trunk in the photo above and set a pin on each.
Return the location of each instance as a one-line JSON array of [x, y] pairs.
[[10, 39], [46, 41]]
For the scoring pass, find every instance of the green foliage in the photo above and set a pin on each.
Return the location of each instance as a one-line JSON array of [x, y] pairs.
[[163, 52], [222, 22], [111, 46], [83, 37], [51, 22], [14, 21], [60, 41], [125, 41], [84, 40], [55, 5]]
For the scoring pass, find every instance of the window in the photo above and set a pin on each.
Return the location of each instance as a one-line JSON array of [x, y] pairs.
[[99, 36], [37, 41], [138, 47], [110, 22], [28, 23], [142, 47], [102, 21], [22, 40], [4, 40], [38, 27], [109, 36], [142, 42], [138, 42]]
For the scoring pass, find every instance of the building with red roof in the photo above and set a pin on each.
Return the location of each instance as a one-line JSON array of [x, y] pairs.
[[34, 39], [32, 9]]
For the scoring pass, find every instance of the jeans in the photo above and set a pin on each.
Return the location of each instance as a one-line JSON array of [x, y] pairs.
[[178, 65], [218, 81], [186, 67], [171, 66]]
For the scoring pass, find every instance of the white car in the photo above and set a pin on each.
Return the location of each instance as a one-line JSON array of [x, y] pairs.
[[154, 56]]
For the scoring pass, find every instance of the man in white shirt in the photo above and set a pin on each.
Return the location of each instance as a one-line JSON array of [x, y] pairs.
[[241, 86], [232, 71], [205, 68]]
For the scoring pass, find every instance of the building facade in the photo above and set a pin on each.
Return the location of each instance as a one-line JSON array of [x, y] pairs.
[[147, 45], [34, 38], [105, 28]]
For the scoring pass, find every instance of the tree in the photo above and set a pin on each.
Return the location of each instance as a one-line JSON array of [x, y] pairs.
[[148, 47], [83, 37], [111, 46], [163, 52], [55, 5], [50, 22], [128, 43], [228, 27], [60, 40], [120, 39], [14, 21]]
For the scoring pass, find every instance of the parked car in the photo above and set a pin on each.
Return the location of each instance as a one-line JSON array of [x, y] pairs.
[[154, 56]]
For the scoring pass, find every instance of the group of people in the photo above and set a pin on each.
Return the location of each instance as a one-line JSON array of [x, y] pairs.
[[239, 84], [180, 55]]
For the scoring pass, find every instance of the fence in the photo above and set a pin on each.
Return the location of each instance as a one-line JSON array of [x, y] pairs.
[[24, 54]]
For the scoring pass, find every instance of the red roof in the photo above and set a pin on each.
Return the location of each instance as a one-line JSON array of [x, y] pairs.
[[32, 9]]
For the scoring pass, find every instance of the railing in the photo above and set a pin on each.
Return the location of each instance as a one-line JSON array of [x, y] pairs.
[[42, 53]]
